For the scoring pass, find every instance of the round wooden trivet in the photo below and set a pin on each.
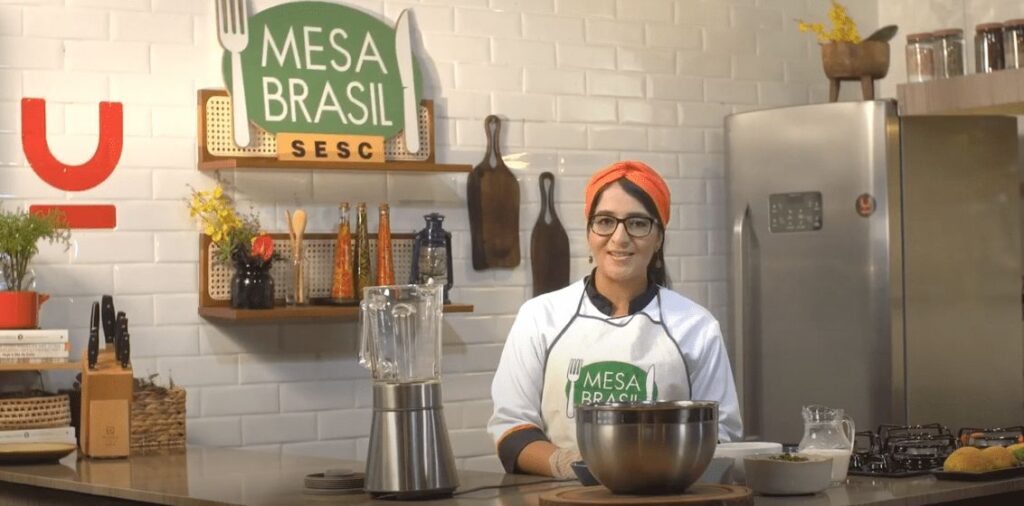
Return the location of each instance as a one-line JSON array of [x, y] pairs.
[[701, 494]]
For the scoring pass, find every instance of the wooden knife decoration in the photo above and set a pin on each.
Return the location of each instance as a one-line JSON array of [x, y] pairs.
[[492, 194], [549, 244]]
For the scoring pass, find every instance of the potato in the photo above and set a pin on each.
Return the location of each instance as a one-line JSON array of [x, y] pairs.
[[999, 457], [967, 460]]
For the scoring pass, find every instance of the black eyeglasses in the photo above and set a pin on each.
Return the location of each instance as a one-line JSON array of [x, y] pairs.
[[636, 226]]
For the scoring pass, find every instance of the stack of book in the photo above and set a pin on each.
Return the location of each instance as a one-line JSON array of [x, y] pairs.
[[34, 344], [51, 435]]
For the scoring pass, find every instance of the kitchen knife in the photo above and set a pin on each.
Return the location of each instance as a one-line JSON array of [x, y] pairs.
[[109, 319], [123, 351], [118, 328], [403, 51], [94, 335]]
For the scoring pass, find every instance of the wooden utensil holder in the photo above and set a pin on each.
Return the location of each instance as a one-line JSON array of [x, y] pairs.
[[106, 407]]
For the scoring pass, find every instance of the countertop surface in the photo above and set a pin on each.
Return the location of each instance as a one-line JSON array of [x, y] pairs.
[[218, 476]]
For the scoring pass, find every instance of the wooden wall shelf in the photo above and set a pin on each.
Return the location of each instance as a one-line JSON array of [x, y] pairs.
[[1000, 92], [272, 164], [38, 365], [339, 313], [220, 309], [211, 162]]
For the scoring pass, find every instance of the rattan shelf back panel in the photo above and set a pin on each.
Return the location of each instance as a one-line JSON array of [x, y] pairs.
[[319, 253], [220, 140]]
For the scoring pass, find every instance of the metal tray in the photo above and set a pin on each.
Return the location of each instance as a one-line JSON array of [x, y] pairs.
[[896, 474], [1000, 474]]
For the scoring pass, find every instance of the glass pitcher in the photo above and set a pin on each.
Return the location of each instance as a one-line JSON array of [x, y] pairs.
[[829, 432], [400, 335]]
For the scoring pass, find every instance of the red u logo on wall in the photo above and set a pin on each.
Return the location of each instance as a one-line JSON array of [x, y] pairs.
[[74, 177]]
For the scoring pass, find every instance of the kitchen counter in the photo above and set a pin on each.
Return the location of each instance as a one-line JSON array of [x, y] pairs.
[[216, 476]]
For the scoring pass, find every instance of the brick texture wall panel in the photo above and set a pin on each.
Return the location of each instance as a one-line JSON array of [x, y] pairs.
[[580, 83]]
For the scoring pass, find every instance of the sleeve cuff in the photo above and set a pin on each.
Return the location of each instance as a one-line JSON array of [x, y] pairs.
[[512, 444]]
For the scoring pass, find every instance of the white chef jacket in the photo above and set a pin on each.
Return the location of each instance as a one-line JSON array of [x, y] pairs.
[[518, 418]]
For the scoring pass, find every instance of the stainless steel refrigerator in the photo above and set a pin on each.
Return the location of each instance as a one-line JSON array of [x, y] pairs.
[[875, 266]]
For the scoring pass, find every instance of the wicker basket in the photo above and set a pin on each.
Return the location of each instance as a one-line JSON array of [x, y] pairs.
[[38, 410], [158, 417]]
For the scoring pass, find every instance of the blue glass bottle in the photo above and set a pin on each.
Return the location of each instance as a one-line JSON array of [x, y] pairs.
[[432, 255]]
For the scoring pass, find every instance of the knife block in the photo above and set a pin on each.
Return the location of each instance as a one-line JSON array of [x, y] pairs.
[[106, 407]]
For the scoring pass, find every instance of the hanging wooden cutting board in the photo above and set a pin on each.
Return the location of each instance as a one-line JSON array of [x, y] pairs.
[[701, 494], [492, 195], [549, 244]]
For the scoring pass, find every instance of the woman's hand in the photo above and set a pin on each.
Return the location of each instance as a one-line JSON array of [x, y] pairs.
[[560, 462]]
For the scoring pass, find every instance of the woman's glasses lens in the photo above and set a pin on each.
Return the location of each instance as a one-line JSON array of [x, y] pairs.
[[636, 226]]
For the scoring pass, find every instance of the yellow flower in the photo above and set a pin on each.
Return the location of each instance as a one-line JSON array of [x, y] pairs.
[[216, 214], [844, 28]]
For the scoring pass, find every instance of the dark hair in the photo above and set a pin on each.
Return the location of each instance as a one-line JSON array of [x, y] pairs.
[[656, 269]]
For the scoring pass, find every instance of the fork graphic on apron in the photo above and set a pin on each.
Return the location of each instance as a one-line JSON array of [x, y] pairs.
[[572, 374]]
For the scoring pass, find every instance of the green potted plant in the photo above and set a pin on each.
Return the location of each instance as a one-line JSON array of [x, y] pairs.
[[20, 233]]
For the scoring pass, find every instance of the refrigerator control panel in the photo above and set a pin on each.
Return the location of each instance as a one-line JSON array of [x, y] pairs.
[[794, 212]]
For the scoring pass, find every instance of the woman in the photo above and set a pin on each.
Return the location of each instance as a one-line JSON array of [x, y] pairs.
[[618, 334]]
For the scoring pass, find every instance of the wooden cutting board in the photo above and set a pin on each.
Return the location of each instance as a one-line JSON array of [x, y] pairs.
[[492, 195], [701, 494], [549, 244]]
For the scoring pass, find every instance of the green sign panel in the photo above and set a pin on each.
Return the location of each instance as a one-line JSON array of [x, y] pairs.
[[318, 67], [612, 381]]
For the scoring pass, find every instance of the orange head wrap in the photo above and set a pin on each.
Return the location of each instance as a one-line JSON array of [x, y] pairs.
[[639, 174]]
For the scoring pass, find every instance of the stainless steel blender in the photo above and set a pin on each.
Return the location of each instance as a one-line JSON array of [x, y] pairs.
[[410, 456]]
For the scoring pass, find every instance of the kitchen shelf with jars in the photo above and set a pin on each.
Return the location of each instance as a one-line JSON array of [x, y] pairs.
[[323, 284], [939, 84], [218, 151]]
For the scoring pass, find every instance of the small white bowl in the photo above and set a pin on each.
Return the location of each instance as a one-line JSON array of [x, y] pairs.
[[767, 475], [737, 451]]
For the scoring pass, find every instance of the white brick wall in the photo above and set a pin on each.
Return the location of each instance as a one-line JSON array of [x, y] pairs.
[[580, 83]]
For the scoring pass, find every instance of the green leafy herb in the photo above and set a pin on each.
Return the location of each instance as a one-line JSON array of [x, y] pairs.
[[20, 233], [789, 457]]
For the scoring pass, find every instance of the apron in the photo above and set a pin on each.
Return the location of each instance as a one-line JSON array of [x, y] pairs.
[[626, 358]]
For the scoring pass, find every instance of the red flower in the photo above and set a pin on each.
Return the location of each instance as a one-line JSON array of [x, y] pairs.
[[263, 247]]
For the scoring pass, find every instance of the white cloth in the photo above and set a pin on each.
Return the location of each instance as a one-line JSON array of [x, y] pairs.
[[602, 359], [519, 380]]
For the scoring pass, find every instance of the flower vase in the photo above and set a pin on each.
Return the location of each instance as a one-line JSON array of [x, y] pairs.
[[847, 61], [252, 286]]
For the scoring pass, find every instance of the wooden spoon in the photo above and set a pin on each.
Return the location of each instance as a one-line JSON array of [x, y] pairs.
[[884, 34], [291, 230], [298, 225]]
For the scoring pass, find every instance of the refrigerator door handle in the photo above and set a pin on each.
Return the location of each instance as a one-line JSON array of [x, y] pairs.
[[738, 256]]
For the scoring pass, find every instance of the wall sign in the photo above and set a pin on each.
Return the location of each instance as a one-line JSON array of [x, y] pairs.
[[74, 178], [323, 68]]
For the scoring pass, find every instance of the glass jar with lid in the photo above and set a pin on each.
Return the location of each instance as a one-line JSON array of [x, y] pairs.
[[988, 47], [1013, 43], [920, 64], [948, 52]]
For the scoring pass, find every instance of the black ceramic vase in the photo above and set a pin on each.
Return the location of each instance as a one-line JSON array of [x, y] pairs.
[[252, 286]]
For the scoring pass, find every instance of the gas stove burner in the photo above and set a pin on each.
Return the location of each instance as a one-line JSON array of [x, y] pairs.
[[901, 450], [983, 438], [921, 454], [889, 434]]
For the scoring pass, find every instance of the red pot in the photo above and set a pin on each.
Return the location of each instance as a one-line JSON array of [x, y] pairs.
[[20, 310]]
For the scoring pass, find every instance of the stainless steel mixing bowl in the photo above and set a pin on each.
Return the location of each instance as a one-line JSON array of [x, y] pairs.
[[659, 447]]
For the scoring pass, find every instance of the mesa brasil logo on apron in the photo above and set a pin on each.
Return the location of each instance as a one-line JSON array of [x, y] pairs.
[[611, 381]]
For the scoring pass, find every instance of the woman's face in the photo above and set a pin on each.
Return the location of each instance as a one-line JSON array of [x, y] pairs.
[[621, 257]]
